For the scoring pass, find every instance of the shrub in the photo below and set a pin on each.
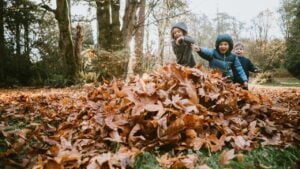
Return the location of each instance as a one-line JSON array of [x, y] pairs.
[[264, 78]]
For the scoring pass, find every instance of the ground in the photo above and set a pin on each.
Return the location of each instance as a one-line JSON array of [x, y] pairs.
[[264, 157]]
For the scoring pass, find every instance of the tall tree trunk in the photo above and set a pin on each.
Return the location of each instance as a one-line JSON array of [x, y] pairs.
[[78, 44], [2, 41], [162, 25], [66, 48], [129, 21], [116, 34], [18, 39], [104, 28], [139, 35]]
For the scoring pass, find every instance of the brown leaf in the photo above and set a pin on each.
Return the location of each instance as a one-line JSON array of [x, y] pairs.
[[226, 156], [191, 91], [187, 161], [240, 143], [52, 165]]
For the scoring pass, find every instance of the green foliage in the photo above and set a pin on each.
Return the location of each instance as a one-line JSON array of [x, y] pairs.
[[292, 59], [146, 160]]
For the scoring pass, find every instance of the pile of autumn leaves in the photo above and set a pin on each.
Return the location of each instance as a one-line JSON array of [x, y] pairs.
[[176, 108]]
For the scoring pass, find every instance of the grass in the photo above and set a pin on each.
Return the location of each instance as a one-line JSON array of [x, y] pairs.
[[262, 158], [288, 81], [146, 160], [265, 158], [284, 82]]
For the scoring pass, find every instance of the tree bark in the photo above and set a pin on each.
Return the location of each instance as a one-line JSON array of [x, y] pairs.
[[66, 47], [116, 34], [162, 25], [103, 20], [2, 40], [129, 21], [139, 35], [78, 44]]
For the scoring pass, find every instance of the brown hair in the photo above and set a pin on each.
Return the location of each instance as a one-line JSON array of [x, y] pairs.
[[239, 45]]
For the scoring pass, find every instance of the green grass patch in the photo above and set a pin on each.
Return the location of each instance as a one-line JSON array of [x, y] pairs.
[[265, 158], [284, 82], [146, 160]]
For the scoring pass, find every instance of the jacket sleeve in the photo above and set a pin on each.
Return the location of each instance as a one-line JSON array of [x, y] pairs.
[[188, 39], [174, 47], [239, 69], [206, 54], [252, 67]]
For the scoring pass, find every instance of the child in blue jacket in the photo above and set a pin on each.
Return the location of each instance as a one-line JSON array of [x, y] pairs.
[[181, 44], [222, 58]]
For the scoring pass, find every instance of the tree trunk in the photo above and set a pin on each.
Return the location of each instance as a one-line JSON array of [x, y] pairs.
[[162, 25], [2, 40], [116, 34], [18, 39], [66, 49], [139, 35], [104, 28], [78, 44], [129, 21]]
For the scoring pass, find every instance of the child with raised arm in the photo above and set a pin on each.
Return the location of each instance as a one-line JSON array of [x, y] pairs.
[[246, 63], [181, 44], [222, 58]]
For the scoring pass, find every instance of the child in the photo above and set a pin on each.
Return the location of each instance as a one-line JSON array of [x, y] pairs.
[[246, 63], [222, 58], [181, 44]]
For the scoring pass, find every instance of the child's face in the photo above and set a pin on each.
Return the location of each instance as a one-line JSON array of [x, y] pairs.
[[176, 32], [223, 47], [239, 51]]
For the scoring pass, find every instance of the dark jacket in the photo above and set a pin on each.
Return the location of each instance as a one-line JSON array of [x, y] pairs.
[[227, 63], [183, 51], [247, 65]]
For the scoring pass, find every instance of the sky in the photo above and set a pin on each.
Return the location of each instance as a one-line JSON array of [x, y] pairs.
[[243, 10]]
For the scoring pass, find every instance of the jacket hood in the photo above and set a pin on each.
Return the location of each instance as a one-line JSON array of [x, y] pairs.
[[180, 25], [226, 38]]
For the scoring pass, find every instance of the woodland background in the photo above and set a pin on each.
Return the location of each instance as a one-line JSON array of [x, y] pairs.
[[43, 44]]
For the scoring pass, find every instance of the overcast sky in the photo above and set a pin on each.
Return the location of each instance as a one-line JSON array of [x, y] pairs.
[[243, 10]]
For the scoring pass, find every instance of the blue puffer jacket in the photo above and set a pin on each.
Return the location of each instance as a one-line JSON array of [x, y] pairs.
[[227, 63]]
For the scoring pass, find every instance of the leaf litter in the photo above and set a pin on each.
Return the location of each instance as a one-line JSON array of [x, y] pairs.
[[175, 108]]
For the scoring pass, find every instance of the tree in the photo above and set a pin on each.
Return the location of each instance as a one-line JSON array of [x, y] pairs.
[[292, 59], [228, 24], [261, 26], [104, 25], [287, 14], [66, 47], [17, 19], [2, 40], [139, 35]]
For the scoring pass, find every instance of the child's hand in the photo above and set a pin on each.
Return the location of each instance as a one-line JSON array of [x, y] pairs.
[[195, 47], [179, 40], [245, 85]]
